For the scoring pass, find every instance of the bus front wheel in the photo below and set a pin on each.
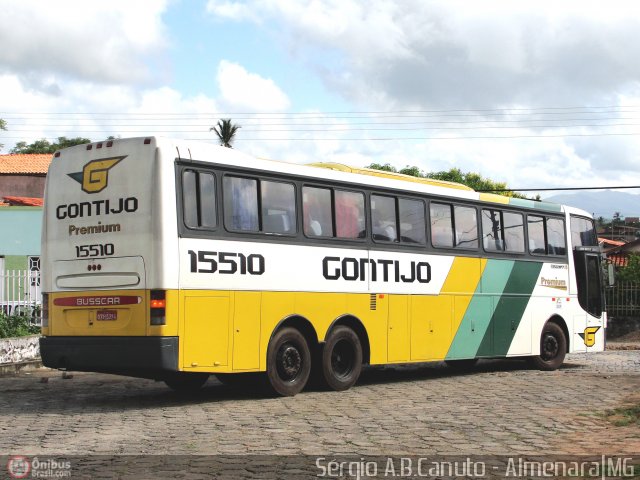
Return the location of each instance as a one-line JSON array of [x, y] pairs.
[[553, 347], [186, 381], [288, 362], [341, 359]]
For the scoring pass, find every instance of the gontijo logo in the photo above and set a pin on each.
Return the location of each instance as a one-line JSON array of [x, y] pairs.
[[95, 174], [589, 336]]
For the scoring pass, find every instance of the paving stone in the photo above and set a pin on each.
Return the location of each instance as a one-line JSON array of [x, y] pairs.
[[502, 407]]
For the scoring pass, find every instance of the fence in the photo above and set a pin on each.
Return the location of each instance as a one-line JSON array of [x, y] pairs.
[[20, 294], [623, 300]]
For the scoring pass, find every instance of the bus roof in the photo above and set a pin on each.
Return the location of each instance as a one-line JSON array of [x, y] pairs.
[[386, 174], [332, 171]]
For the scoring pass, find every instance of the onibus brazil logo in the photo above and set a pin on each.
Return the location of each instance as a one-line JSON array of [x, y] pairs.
[[94, 176]]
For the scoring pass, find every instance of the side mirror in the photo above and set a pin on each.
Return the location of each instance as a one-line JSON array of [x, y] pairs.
[[611, 274]]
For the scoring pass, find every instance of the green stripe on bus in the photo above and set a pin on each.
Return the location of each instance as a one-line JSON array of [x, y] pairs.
[[477, 318], [509, 309], [546, 206]]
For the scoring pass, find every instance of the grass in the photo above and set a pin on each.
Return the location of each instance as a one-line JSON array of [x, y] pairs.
[[624, 416]]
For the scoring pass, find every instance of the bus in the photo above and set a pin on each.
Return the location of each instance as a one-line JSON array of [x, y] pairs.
[[175, 260]]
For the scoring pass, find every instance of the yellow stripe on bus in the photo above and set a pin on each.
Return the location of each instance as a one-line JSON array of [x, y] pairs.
[[436, 319]]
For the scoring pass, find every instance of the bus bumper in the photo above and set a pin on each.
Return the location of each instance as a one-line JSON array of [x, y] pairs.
[[146, 357]]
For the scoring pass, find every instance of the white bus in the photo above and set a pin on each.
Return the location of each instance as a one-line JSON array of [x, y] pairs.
[[176, 260]]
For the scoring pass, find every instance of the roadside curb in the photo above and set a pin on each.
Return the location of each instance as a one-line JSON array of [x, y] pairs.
[[13, 369]]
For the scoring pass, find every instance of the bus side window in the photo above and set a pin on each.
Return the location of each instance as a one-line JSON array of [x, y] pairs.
[[349, 208], [555, 237], [537, 242], [441, 225], [316, 210], [412, 221], [383, 217], [513, 232], [199, 199], [492, 230], [466, 225], [241, 204], [278, 207], [583, 232]]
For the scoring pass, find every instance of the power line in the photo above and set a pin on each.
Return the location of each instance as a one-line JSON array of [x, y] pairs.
[[361, 139]]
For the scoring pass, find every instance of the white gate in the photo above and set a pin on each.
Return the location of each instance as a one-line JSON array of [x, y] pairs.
[[20, 293]]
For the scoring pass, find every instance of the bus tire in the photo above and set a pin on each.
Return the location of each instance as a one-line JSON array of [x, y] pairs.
[[186, 381], [288, 362], [462, 365], [341, 359], [553, 347]]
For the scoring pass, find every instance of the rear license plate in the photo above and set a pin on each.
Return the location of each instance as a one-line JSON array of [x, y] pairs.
[[106, 315]]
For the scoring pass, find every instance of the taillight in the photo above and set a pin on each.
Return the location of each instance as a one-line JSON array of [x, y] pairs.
[[158, 305], [45, 310]]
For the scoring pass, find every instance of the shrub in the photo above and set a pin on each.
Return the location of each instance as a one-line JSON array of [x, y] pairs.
[[16, 326]]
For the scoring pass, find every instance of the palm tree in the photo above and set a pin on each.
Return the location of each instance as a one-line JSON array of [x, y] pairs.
[[225, 130]]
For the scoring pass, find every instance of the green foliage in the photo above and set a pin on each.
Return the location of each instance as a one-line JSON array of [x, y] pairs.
[[43, 146], [225, 131], [630, 273], [470, 179], [386, 167], [16, 326]]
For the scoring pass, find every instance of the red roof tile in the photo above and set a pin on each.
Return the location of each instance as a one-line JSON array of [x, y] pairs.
[[612, 243], [23, 201], [20, 163]]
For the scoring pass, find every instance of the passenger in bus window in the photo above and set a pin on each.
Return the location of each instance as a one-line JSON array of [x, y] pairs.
[[349, 215], [242, 213], [383, 217], [316, 209]]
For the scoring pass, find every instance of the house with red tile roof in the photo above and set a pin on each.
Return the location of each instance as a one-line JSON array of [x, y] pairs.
[[23, 175], [22, 179], [619, 255]]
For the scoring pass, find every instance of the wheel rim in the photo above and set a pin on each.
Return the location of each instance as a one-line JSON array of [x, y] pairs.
[[550, 347], [288, 362], [342, 358]]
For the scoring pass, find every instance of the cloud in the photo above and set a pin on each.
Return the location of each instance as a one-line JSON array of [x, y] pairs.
[[103, 42], [244, 90], [460, 54], [231, 10]]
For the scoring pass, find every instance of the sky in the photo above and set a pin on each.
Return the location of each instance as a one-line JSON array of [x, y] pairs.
[[534, 93]]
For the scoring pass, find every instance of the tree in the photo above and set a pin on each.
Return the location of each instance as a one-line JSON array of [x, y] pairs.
[[470, 179], [630, 272], [226, 131], [43, 146], [386, 167], [3, 126]]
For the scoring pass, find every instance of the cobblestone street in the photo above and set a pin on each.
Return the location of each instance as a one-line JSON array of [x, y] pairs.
[[502, 407]]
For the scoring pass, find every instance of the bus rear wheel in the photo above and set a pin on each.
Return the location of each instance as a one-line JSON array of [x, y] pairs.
[[186, 381], [288, 362], [553, 347], [341, 359]]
